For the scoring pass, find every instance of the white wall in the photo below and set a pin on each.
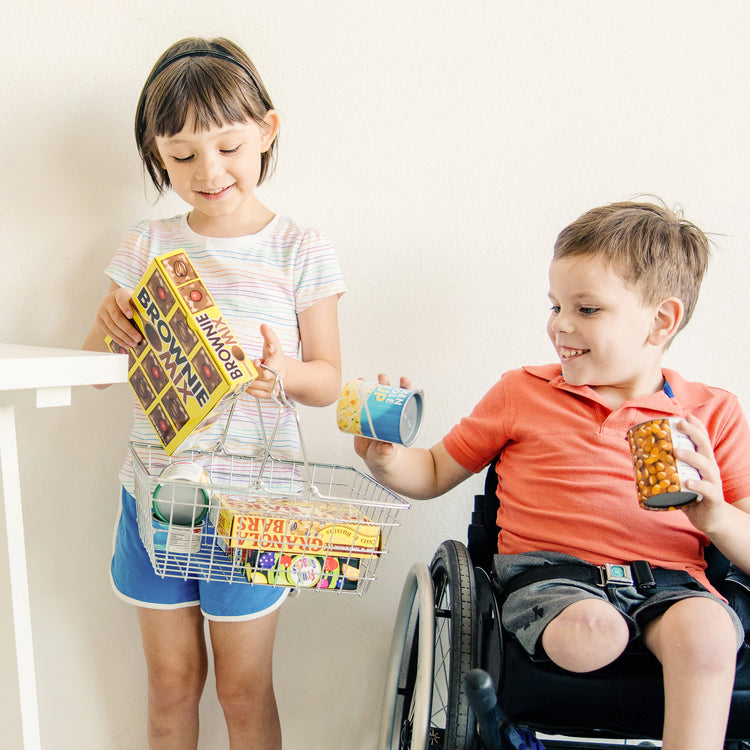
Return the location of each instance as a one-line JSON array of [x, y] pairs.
[[442, 145]]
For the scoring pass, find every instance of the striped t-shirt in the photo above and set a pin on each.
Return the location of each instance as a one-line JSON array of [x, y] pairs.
[[267, 277]]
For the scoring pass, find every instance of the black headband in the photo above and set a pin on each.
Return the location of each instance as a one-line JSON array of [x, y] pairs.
[[193, 53], [198, 53]]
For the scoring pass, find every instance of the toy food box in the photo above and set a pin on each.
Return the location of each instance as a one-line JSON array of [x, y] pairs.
[[295, 543], [188, 368]]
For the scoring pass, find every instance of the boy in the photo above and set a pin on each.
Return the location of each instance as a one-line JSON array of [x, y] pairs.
[[624, 279]]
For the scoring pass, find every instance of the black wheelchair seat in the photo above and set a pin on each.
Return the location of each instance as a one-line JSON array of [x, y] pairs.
[[624, 699]]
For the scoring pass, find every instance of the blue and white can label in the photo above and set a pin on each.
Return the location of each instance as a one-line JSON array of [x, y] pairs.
[[381, 412]]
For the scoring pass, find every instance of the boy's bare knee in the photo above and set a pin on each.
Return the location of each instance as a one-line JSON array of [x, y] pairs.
[[585, 636], [697, 632]]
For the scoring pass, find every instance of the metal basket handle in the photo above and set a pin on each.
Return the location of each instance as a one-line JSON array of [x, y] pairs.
[[278, 395]]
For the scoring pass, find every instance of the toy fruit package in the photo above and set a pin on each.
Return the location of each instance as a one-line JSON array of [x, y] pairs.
[[188, 368]]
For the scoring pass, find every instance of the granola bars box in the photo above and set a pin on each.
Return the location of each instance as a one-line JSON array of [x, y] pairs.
[[314, 527], [189, 367], [287, 542]]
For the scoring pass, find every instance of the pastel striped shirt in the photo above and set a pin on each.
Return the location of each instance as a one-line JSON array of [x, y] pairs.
[[268, 277]]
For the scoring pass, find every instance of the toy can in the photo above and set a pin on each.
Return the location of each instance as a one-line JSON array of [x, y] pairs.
[[381, 412], [182, 540], [177, 503], [659, 476]]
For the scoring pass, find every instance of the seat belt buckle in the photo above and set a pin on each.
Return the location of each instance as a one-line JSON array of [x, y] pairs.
[[643, 575], [618, 575]]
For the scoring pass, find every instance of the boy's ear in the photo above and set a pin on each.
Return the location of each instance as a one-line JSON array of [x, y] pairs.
[[270, 129], [668, 316]]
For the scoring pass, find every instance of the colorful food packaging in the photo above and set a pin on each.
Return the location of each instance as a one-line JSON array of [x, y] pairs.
[[188, 368], [291, 526], [381, 412], [303, 571], [659, 476]]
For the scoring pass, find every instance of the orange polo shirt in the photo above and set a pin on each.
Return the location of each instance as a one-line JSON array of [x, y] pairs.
[[565, 477]]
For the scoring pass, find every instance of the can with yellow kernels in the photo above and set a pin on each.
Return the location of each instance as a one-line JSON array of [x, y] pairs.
[[659, 476]]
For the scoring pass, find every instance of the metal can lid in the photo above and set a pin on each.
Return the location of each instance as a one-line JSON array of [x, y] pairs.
[[181, 504], [411, 418]]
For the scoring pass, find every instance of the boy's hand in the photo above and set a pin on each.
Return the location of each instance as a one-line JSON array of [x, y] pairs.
[[114, 318], [707, 514], [265, 385], [378, 454]]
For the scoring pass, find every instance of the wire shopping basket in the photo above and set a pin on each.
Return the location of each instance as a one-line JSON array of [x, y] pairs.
[[216, 515]]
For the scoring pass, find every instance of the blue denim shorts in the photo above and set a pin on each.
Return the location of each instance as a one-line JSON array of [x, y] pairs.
[[528, 610], [136, 582]]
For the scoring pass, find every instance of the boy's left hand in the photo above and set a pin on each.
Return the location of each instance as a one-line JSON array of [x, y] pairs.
[[265, 385], [706, 514]]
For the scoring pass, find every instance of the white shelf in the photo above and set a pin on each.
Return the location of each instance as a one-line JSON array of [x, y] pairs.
[[50, 373]]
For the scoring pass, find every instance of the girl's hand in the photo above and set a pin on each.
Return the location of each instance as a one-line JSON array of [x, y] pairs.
[[114, 318], [265, 385], [707, 514]]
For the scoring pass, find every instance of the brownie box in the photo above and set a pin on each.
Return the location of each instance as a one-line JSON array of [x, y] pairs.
[[189, 367]]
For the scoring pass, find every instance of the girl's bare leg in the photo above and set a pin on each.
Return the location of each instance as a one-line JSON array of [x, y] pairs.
[[175, 650], [243, 660]]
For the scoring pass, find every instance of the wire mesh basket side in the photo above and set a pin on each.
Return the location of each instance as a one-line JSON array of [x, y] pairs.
[[267, 521]]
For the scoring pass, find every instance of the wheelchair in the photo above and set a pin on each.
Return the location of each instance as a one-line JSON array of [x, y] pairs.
[[457, 681]]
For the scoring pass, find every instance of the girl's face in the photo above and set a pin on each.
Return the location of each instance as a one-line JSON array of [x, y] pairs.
[[216, 172], [602, 331]]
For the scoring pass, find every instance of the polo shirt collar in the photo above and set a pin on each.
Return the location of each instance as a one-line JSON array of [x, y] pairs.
[[687, 395]]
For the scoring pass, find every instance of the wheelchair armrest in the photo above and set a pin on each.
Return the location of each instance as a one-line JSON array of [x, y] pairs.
[[736, 588]]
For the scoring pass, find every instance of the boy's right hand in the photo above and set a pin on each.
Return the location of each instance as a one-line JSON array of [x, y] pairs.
[[378, 454], [114, 318]]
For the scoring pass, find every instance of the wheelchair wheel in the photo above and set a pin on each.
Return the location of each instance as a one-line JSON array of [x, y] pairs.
[[432, 649], [408, 685], [451, 718]]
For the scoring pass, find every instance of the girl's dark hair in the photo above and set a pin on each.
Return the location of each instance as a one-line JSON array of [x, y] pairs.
[[211, 79]]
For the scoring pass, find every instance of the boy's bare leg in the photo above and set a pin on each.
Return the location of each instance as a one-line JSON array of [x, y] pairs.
[[587, 635], [175, 650], [696, 644], [243, 661]]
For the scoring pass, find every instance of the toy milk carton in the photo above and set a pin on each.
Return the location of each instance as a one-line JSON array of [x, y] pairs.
[[188, 368], [295, 543]]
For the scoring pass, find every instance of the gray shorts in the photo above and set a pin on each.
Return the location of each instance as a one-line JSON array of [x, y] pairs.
[[527, 611]]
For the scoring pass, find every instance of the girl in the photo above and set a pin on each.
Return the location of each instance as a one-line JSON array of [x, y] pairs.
[[206, 127]]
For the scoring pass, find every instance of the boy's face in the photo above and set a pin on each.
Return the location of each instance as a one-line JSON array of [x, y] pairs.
[[602, 331]]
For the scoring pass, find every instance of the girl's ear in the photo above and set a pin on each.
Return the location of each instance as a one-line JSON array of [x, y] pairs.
[[270, 129], [668, 316]]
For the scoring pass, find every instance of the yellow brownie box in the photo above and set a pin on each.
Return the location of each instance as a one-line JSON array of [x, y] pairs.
[[293, 527], [188, 368]]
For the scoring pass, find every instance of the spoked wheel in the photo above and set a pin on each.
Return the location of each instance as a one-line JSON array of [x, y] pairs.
[[432, 649], [408, 686], [451, 718]]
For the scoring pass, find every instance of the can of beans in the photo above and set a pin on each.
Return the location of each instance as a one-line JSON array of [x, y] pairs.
[[659, 476], [381, 412], [177, 498]]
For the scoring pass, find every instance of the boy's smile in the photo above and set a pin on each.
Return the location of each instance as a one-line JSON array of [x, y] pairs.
[[602, 331]]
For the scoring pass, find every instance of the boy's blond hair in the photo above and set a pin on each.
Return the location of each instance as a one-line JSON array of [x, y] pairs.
[[657, 252]]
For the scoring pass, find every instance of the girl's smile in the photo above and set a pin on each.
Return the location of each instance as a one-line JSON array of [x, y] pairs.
[[216, 171]]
